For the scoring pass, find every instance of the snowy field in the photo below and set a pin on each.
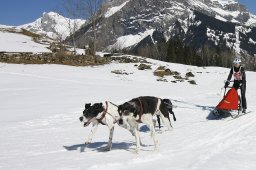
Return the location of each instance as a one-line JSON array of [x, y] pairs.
[[40, 129], [15, 42]]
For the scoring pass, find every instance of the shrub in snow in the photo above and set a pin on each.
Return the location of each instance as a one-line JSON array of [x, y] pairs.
[[190, 74], [122, 72], [162, 79], [162, 71], [144, 67], [178, 77], [192, 82]]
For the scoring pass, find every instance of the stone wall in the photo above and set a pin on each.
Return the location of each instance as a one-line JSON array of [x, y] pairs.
[[52, 58]]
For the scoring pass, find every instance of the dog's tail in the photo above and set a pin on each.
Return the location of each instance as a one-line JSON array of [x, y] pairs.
[[169, 105]]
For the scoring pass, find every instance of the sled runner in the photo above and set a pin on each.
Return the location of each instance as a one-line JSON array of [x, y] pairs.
[[230, 102]]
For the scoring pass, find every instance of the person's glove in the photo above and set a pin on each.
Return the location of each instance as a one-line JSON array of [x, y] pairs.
[[227, 84]]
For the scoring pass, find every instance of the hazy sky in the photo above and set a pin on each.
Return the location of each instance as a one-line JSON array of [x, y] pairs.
[[17, 12]]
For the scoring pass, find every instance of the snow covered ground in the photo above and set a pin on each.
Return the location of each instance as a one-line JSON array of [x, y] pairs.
[[16, 42], [41, 104]]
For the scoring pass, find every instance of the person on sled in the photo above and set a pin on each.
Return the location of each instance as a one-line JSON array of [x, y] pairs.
[[238, 72]]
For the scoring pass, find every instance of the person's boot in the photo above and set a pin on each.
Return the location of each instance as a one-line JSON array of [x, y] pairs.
[[244, 110]]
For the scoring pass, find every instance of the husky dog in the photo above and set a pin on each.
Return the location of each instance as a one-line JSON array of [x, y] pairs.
[[102, 113], [142, 110]]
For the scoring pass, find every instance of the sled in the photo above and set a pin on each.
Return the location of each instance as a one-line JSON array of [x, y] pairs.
[[231, 102]]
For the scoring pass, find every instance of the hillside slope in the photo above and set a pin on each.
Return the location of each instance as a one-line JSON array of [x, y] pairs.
[[18, 42]]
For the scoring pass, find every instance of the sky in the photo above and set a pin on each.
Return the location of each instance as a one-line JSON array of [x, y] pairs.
[[18, 12], [250, 4]]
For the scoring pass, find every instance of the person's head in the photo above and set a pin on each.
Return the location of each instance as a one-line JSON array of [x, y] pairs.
[[237, 62]]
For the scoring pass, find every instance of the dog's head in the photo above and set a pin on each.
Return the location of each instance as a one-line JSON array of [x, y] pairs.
[[126, 109], [168, 104], [91, 112]]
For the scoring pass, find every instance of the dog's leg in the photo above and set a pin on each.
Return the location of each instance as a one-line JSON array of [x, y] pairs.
[[141, 144], [134, 130], [137, 138], [148, 120], [111, 132], [166, 121], [158, 120], [93, 131]]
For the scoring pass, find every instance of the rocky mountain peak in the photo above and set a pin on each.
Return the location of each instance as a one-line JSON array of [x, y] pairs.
[[53, 25]]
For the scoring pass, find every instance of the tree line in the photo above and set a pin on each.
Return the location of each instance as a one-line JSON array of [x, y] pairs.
[[209, 54]]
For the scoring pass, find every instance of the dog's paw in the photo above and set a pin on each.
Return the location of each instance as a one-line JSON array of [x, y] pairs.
[[156, 149], [143, 145], [169, 130], [106, 149], [157, 146], [87, 143], [137, 151]]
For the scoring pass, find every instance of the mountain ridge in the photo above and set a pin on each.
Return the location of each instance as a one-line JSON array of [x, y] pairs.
[[226, 28], [50, 24]]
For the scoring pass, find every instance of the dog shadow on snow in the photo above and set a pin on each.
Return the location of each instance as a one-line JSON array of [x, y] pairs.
[[98, 146], [102, 146]]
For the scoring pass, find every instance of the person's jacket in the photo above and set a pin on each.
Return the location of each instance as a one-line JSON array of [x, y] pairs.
[[236, 70]]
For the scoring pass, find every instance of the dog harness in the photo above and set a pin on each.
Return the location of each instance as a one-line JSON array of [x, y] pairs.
[[141, 111], [103, 114]]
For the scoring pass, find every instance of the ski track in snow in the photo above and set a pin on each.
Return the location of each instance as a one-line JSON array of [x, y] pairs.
[[41, 104]]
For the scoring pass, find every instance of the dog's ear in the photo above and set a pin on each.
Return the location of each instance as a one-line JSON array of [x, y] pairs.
[[98, 105], [87, 105]]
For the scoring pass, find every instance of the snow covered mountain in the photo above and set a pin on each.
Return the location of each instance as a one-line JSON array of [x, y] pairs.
[[135, 24], [37, 36], [53, 25], [226, 10], [41, 105]]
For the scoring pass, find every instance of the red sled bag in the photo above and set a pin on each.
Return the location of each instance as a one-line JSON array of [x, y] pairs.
[[230, 101]]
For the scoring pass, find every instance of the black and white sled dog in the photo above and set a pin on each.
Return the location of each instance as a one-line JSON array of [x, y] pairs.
[[142, 110], [101, 113]]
